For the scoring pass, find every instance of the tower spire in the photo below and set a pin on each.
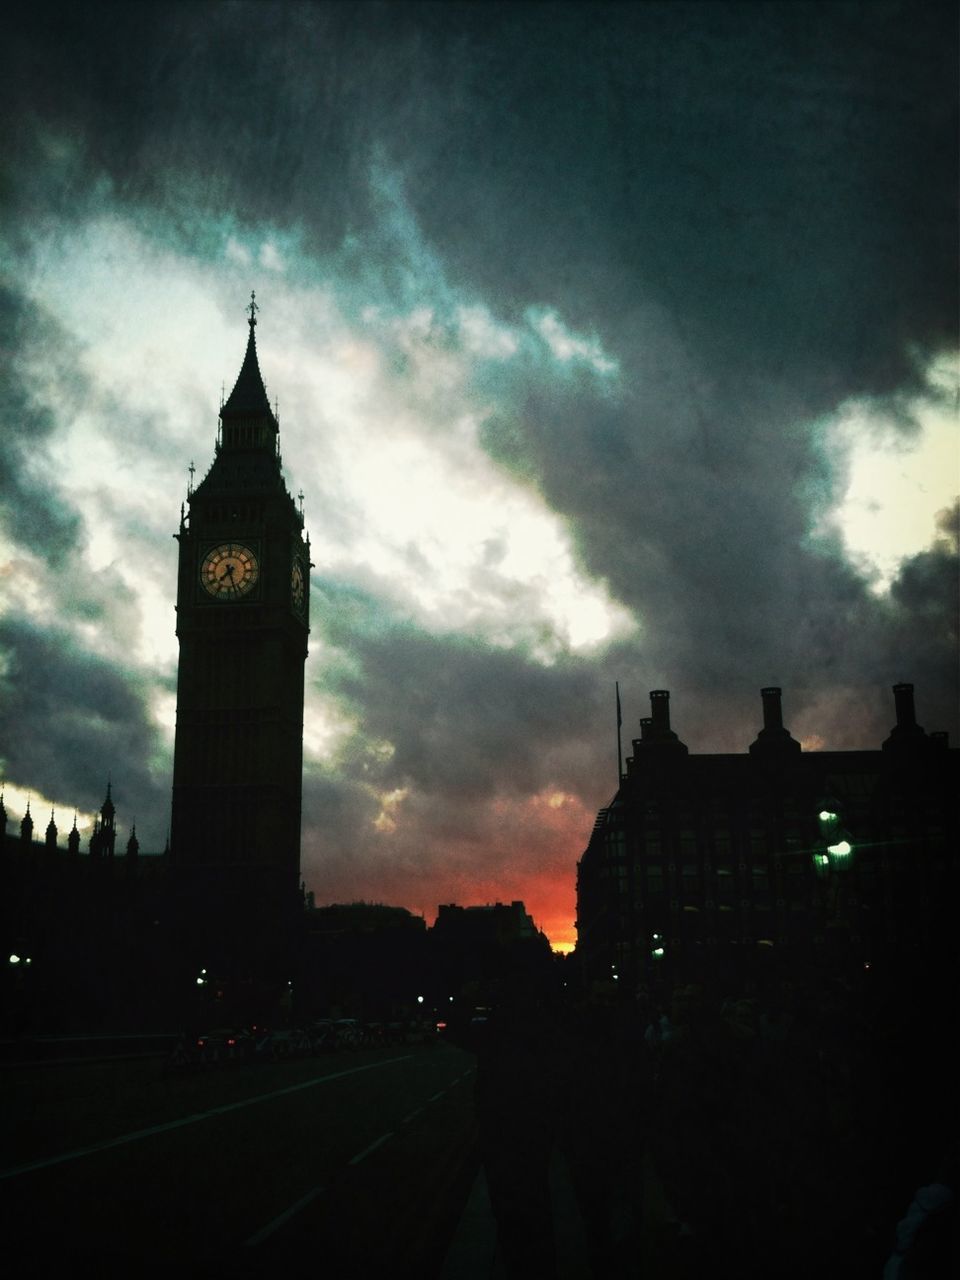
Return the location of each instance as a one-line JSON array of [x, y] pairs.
[[108, 829], [246, 414]]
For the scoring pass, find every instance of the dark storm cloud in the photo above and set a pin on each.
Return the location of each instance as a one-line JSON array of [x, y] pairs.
[[778, 177], [71, 720], [925, 600], [462, 719], [700, 504], [33, 505], [777, 182], [752, 207]]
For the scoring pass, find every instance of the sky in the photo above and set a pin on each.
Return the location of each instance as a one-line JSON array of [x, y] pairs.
[[611, 343]]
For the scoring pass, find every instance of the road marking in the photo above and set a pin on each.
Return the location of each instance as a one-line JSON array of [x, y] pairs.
[[278, 1221], [372, 1147], [436, 1097], [302, 1203], [194, 1119]]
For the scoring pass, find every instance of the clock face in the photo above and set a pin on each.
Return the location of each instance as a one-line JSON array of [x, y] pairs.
[[298, 591], [229, 571]]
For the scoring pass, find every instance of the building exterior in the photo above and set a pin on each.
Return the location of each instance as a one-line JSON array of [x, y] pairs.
[[111, 933], [85, 935], [361, 959], [242, 624], [479, 952], [495, 924], [720, 867]]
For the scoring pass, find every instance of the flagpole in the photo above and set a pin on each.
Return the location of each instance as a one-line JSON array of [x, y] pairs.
[[619, 744]]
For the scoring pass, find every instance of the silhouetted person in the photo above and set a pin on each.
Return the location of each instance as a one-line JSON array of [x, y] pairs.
[[516, 1111], [925, 1243], [602, 1128], [555, 1080]]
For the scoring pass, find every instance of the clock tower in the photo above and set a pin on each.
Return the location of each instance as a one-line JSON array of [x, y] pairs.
[[242, 624]]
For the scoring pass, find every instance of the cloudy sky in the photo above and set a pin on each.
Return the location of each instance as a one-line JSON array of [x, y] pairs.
[[611, 342]]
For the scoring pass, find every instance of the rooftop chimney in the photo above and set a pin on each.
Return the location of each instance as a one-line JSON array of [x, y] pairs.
[[640, 743], [660, 708], [773, 735], [906, 732], [772, 711], [903, 698], [655, 731]]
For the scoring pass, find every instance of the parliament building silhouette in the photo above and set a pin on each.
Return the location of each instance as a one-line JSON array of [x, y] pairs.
[[701, 867], [720, 868]]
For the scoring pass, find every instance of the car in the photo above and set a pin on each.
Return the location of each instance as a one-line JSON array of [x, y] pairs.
[[374, 1035], [322, 1034], [349, 1033], [225, 1044]]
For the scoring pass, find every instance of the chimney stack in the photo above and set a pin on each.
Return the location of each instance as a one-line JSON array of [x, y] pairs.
[[903, 698], [773, 736], [772, 711], [906, 732], [655, 731], [660, 710]]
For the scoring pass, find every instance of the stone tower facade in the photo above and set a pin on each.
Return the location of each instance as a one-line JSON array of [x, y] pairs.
[[242, 623]]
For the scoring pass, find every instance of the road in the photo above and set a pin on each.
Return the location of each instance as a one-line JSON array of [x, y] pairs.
[[358, 1162]]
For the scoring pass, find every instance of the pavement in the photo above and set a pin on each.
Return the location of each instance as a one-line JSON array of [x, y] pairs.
[[664, 1253], [473, 1252]]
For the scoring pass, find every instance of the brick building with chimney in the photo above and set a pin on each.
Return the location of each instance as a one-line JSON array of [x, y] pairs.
[[717, 867]]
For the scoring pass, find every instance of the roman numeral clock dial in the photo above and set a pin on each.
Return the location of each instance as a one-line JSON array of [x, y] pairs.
[[229, 571], [298, 590]]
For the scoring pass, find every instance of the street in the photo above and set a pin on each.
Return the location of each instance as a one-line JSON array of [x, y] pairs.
[[360, 1160]]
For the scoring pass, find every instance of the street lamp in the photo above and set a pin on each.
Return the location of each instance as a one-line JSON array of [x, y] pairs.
[[832, 862], [835, 840]]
